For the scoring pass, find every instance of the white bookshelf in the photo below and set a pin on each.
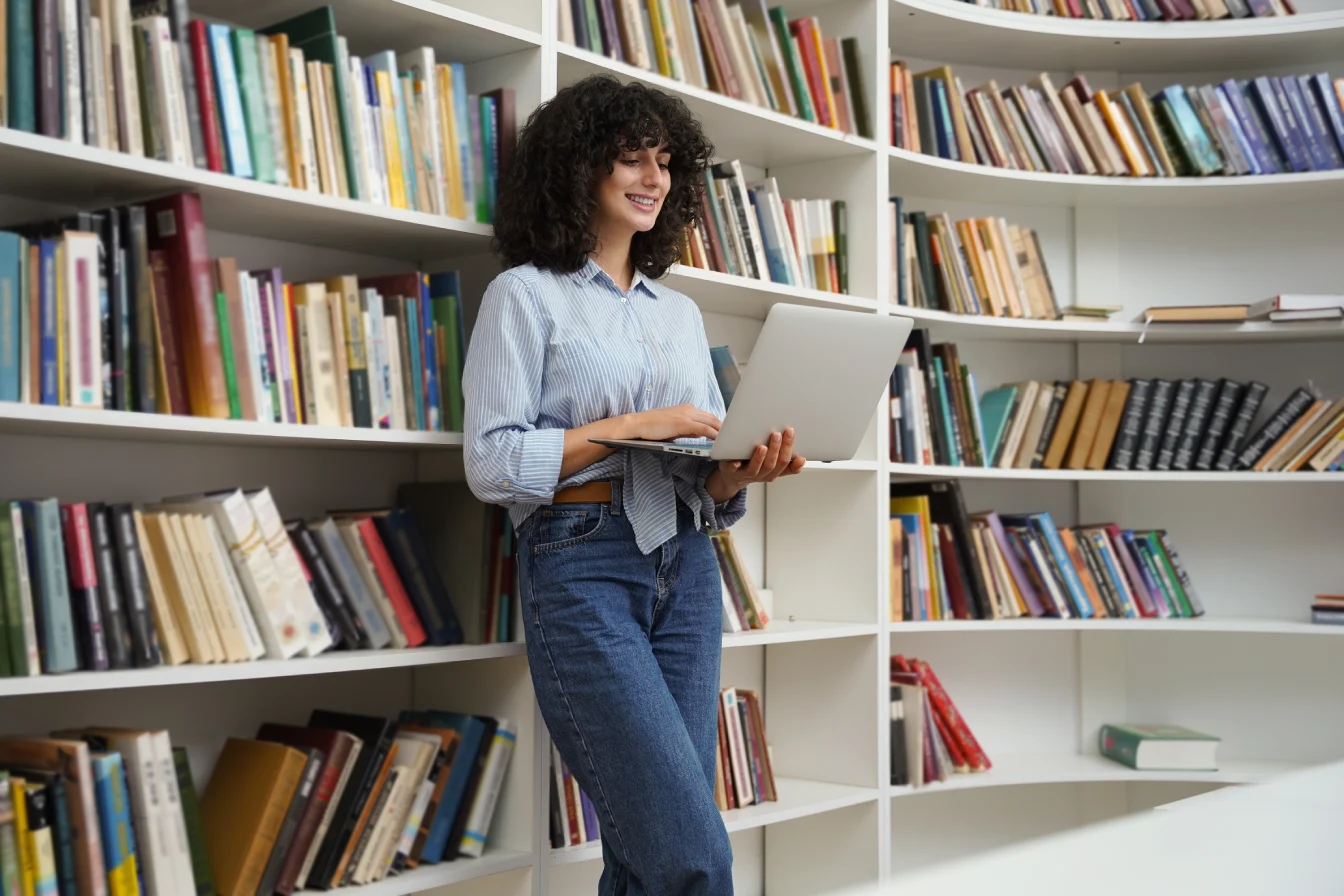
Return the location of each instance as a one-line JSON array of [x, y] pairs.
[[1035, 691]]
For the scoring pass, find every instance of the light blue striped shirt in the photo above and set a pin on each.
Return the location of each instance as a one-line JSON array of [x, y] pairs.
[[553, 351]]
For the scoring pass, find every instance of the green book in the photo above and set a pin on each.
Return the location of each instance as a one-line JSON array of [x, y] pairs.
[[255, 111], [445, 301], [996, 408], [191, 815], [780, 19], [858, 92], [840, 223], [1169, 576], [21, 68], [1159, 747], [226, 350], [314, 32], [13, 657]]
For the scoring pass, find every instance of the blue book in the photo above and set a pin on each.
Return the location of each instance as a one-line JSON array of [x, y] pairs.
[[1239, 133], [22, 72], [48, 371], [1143, 561], [1262, 100], [774, 253], [1292, 127], [460, 110], [230, 101], [1190, 126], [919, 598], [1324, 94], [430, 353], [414, 342], [1317, 115], [489, 154], [12, 250], [726, 372], [995, 407], [1292, 90], [942, 119], [942, 383], [1251, 127], [1046, 526], [386, 61], [114, 820], [1104, 551], [51, 587], [472, 730]]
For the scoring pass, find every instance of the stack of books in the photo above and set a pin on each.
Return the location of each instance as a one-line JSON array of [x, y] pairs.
[[950, 564], [743, 775], [750, 231], [740, 50], [347, 799], [1146, 10], [210, 578], [976, 266], [573, 820], [1263, 125], [286, 105], [1328, 609], [124, 309], [939, 417], [929, 738], [1283, 308], [743, 609]]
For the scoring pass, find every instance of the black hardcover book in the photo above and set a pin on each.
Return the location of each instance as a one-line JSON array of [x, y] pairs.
[[325, 587], [425, 586], [1293, 407], [140, 311], [116, 625], [145, 649], [947, 507], [1220, 419], [376, 734], [82, 576], [112, 276], [1201, 406], [1061, 391], [1171, 433], [1155, 420], [1251, 400], [1131, 425], [920, 220], [459, 828], [900, 769], [289, 826]]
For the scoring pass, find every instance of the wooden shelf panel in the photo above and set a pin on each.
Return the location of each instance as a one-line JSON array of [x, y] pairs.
[[962, 32], [945, 325], [189, 673], [1009, 771], [939, 471], [48, 420], [428, 877], [746, 297], [66, 173], [740, 130], [1201, 624], [916, 174]]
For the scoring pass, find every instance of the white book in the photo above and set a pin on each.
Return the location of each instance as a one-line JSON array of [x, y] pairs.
[[375, 371], [303, 102], [354, 543], [149, 808], [272, 528], [256, 647], [731, 621], [125, 79], [253, 346], [386, 828], [199, 615], [487, 794], [566, 28], [29, 621], [380, 383], [420, 804], [275, 113], [178, 96], [785, 233], [421, 749], [420, 63], [359, 124], [273, 344], [83, 319], [71, 71], [179, 845], [318, 351], [102, 135], [359, 185], [393, 343], [301, 881], [199, 542]]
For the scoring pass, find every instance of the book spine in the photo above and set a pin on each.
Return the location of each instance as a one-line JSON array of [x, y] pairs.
[[483, 807], [1131, 425], [289, 826], [1287, 414], [1229, 392], [1155, 420], [83, 585], [1175, 425], [1182, 576], [1122, 746], [119, 646], [960, 731], [1196, 421], [1251, 400]]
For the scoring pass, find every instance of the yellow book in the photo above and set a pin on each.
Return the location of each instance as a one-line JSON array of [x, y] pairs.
[[825, 72], [391, 143], [919, 506], [896, 594], [287, 328], [452, 158], [659, 40], [173, 648], [18, 788]]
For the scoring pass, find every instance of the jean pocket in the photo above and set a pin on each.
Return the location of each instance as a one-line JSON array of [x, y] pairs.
[[562, 527]]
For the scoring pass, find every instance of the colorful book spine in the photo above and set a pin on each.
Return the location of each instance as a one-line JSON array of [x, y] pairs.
[[230, 99], [114, 815]]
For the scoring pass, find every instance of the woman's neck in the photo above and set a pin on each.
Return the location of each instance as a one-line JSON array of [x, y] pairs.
[[613, 256]]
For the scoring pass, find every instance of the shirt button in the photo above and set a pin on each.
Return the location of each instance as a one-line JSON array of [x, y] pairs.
[[648, 388], [506, 484], [640, 341], [622, 300]]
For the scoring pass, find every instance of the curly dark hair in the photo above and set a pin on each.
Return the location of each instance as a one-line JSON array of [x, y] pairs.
[[546, 203]]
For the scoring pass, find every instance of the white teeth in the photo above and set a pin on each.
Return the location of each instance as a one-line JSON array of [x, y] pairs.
[[641, 200]]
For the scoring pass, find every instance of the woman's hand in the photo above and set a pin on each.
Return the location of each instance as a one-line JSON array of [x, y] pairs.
[[680, 421], [766, 464]]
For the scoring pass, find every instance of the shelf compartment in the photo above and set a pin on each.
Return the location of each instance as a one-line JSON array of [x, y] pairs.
[[916, 174], [739, 130], [190, 673], [940, 471], [1199, 624], [965, 33], [49, 420], [747, 297], [428, 877], [946, 325], [1013, 770], [65, 173], [788, 632], [798, 798]]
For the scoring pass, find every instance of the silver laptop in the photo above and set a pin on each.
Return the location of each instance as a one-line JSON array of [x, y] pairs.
[[818, 370]]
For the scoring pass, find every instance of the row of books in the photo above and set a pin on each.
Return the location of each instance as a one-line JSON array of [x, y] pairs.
[[743, 609], [930, 740], [938, 416], [740, 50], [346, 799], [749, 230], [950, 564], [124, 309], [1262, 125], [1328, 609], [743, 774], [286, 105], [573, 820], [981, 266], [209, 578], [1146, 10]]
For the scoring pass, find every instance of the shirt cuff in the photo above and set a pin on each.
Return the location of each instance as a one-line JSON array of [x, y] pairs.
[[714, 515], [536, 464]]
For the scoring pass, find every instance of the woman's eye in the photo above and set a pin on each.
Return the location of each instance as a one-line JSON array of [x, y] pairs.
[[662, 165]]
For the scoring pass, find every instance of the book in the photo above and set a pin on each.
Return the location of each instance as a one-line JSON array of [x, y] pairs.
[[1159, 747]]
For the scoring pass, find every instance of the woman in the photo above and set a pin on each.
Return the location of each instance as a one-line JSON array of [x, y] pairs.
[[618, 581]]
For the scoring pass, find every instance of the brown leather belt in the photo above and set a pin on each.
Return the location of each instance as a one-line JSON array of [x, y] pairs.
[[596, 492]]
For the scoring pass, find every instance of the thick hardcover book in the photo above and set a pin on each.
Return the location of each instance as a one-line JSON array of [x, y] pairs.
[[440, 844], [375, 735], [1247, 408], [1220, 420], [1131, 425], [1154, 424], [116, 627], [1293, 407], [352, 585], [1159, 747], [50, 586], [114, 814], [70, 759], [1196, 421], [289, 826], [243, 808], [1171, 432], [326, 588], [1052, 417]]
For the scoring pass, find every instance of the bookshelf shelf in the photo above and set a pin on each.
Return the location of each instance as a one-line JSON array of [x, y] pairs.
[[1200, 624], [739, 130], [939, 471], [190, 673], [48, 420], [946, 325], [746, 297], [963, 32], [1045, 768], [783, 631], [67, 173], [853, 466], [917, 174], [428, 877]]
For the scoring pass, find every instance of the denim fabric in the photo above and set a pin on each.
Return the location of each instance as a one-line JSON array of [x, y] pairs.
[[624, 651]]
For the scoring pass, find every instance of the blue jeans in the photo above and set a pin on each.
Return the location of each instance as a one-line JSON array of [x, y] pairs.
[[624, 651]]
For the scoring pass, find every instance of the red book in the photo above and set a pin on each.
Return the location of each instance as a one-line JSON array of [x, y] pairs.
[[335, 747], [956, 725], [801, 29], [83, 579], [726, 759], [391, 582], [205, 90], [177, 228], [956, 584], [959, 761]]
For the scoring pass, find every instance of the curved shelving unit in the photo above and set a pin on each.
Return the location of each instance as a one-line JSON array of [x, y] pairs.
[[955, 32], [1200, 625], [917, 174], [940, 471], [748, 297]]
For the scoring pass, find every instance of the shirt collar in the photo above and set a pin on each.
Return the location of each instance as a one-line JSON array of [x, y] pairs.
[[592, 269]]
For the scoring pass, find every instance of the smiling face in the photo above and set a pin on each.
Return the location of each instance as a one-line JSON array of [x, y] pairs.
[[629, 199]]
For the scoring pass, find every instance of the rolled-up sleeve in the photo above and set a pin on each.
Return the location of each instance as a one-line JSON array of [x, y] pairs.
[[508, 459]]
